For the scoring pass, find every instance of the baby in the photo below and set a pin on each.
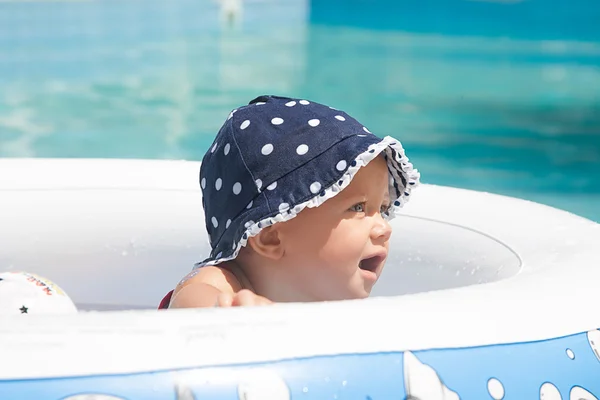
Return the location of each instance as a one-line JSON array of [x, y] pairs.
[[297, 197]]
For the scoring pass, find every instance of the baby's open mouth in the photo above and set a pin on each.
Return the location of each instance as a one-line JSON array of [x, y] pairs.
[[372, 263]]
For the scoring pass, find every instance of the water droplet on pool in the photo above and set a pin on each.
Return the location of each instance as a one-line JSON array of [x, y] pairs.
[[549, 392], [304, 389], [495, 389], [579, 393]]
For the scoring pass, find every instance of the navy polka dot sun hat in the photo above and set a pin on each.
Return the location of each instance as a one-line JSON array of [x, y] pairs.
[[277, 156]]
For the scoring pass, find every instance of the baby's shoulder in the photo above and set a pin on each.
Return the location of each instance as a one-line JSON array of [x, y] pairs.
[[219, 277]]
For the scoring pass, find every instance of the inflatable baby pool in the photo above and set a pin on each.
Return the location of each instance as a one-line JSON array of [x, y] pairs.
[[483, 297]]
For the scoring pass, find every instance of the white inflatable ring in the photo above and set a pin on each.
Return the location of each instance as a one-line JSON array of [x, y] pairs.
[[505, 309]]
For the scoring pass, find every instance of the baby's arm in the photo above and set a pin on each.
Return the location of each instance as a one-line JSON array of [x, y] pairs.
[[213, 286]]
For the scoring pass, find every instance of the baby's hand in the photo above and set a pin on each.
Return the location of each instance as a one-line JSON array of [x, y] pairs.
[[244, 297]]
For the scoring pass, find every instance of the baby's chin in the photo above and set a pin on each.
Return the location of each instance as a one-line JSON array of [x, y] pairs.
[[364, 295], [367, 288], [351, 294], [362, 292]]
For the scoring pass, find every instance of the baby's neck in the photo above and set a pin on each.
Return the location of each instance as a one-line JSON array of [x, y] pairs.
[[238, 272], [262, 277]]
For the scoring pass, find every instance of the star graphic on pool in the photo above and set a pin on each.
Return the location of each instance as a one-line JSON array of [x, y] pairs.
[[23, 310]]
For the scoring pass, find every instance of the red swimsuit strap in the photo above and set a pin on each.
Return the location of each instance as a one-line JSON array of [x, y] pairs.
[[164, 303]]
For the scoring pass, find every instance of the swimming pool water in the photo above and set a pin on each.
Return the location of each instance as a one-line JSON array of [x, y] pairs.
[[496, 97]]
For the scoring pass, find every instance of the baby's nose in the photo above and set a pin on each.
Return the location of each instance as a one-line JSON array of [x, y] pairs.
[[381, 230]]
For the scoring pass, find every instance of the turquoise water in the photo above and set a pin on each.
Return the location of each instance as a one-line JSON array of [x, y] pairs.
[[496, 97]]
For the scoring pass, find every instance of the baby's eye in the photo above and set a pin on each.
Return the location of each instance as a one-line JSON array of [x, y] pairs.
[[360, 207]]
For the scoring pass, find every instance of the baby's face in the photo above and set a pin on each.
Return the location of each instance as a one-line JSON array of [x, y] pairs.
[[337, 251]]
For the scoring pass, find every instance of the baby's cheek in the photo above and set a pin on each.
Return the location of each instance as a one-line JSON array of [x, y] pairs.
[[344, 247], [334, 252]]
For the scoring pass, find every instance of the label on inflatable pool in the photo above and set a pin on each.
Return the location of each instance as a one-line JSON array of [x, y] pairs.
[[556, 369]]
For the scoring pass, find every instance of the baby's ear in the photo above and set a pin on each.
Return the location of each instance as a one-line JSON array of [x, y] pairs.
[[268, 243]]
